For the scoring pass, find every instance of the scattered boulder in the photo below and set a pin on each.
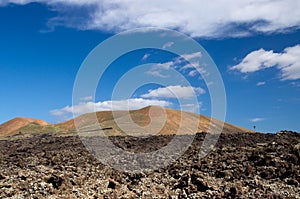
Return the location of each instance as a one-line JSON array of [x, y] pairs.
[[56, 181]]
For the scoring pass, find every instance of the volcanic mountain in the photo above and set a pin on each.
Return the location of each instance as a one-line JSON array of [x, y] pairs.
[[13, 126], [151, 120]]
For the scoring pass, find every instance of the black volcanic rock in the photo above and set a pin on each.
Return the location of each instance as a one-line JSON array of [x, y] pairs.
[[240, 166]]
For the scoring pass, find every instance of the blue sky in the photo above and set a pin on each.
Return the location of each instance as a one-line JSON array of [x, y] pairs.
[[257, 54]]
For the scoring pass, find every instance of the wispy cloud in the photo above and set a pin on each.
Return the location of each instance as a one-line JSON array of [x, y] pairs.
[[87, 107], [257, 119], [157, 73], [287, 62], [160, 69], [87, 98], [145, 57], [164, 66], [217, 18], [295, 84], [168, 45], [260, 83], [177, 91], [188, 63], [190, 57], [195, 69]]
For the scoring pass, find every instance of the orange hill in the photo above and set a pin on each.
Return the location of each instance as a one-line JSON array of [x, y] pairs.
[[107, 121], [11, 127], [151, 120]]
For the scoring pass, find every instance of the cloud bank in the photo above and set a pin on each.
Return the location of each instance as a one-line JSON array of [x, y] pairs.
[[88, 107], [287, 62], [212, 19], [184, 92]]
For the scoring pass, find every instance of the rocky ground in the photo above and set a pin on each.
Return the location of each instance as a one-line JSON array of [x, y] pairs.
[[240, 166]]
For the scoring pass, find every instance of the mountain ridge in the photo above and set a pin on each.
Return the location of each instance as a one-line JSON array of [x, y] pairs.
[[147, 120]]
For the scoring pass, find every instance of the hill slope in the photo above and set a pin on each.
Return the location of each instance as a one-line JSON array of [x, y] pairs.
[[148, 120], [13, 126], [151, 120]]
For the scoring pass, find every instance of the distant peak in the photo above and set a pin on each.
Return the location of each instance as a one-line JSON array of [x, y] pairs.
[[12, 126], [29, 120], [19, 118]]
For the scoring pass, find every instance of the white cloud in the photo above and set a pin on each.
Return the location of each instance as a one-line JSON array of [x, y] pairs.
[[256, 61], [193, 73], [51, 2], [192, 68], [145, 57], [177, 91], [257, 119], [164, 66], [196, 69], [260, 83], [22, 2], [129, 104], [190, 57], [295, 84], [159, 69], [191, 65], [157, 73], [288, 62], [168, 45], [194, 65], [210, 83], [216, 18], [87, 98]]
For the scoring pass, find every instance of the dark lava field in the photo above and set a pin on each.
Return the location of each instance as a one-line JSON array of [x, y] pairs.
[[246, 165]]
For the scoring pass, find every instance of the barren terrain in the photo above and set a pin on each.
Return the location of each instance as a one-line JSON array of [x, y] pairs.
[[240, 166]]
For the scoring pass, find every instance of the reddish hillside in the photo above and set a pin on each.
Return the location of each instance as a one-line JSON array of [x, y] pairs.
[[150, 120], [12, 126]]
